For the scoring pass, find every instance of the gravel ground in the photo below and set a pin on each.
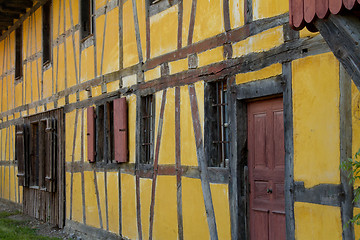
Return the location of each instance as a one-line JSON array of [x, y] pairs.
[[43, 229]]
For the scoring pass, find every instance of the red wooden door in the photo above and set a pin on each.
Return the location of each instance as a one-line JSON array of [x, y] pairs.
[[266, 169]]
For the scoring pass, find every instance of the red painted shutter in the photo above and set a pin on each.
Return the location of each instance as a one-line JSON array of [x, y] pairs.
[[120, 130], [20, 153], [50, 153], [91, 134]]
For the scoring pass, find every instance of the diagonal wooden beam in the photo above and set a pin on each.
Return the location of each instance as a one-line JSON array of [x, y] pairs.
[[342, 34]]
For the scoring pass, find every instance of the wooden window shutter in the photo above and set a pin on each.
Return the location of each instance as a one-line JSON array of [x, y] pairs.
[[120, 130], [50, 155], [21, 154], [91, 134]]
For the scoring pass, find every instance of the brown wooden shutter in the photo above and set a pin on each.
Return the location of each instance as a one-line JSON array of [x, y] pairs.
[[20, 153], [120, 130], [50, 155], [91, 134]]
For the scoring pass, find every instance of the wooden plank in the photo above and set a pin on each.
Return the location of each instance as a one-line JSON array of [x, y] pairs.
[[335, 6], [82, 160], [226, 16], [106, 201], [98, 200], [322, 8], [349, 4], [192, 22], [103, 42], [73, 42], [309, 10], [91, 134], [180, 23], [178, 164], [73, 160], [120, 200], [156, 163], [138, 206], [202, 164], [346, 203], [137, 31], [248, 11], [289, 152]]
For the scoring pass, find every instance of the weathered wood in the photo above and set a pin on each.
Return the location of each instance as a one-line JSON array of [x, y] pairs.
[[192, 22], [82, 160], [137, 31], [345, 46], [138, 206], [346, 203], [156, 163], [178, 164], [289, 151], [73, 160], [180, 23], [98, 200], [248, 11], [202, 164]]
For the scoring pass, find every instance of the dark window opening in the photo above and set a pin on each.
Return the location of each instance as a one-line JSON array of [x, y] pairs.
[[86, 18], [217, 124], [18, 52], [46, 32], [104, 132], [147, 129]]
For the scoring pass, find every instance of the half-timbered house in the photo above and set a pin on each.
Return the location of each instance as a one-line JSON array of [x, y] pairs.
[[181, 119]]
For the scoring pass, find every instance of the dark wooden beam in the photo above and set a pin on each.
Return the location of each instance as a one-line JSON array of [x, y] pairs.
[[342, 34]]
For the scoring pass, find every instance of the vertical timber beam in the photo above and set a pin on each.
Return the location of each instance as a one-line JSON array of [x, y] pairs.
[[202, 164], [289, 152], [178, 164], [192, 22], [137, 31], [346, 203]]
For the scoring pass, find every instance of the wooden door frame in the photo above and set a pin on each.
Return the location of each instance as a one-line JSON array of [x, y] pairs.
[[59, 115], [239, 95]]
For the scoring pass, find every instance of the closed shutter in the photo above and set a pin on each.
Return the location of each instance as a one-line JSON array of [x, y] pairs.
[[21, 154], [120, 130], [91, 134], [51, 154]]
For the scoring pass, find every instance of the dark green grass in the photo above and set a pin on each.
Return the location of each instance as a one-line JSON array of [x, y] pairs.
[[11, 229]]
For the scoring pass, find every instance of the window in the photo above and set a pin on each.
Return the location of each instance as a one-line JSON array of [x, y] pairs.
[[217, 124], [107, 132], [86, 17], [46, 30], [36, 146], [18, 52], [147, 129]]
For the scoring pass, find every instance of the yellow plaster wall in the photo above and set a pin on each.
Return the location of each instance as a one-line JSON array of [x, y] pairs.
[[186, 21], [220, 196], [72, 13], [113, 201], [91, 209], [77, 210], [163, 31], [165, 212], [145, 201], [269, 8], [47, 83], [152, 74], [167, 147], [261, 42], [129, 39], [211, 56], [315, 221], [72, 60], [194, 215], [108, 52], [357, 227], [69, 136], [209, 19], [87, 64], [100, 178], [178, 66], [236, 11], [267, 72], [316, 119], [128, 206]]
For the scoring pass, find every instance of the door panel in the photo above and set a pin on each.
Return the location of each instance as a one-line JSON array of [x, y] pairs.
[[266, 169]]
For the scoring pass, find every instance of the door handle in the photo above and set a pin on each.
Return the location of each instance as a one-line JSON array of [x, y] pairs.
[[269, 190]]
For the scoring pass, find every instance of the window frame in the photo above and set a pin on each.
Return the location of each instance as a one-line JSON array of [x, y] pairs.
[[147, 129], [18, 53], [217, 117], [46, 33], [86, 19]]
